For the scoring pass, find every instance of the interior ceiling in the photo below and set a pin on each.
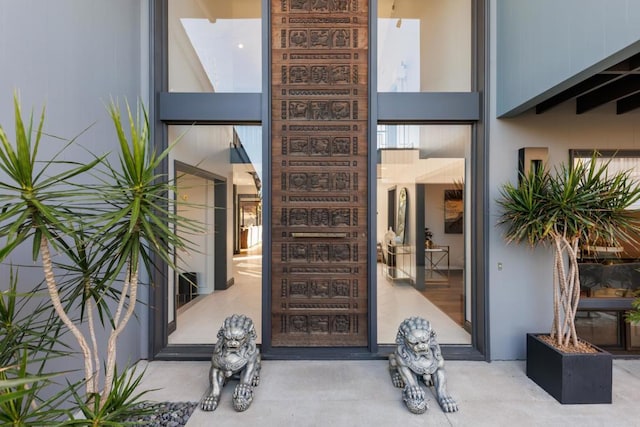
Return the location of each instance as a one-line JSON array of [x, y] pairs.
[[619, 83], [405, 165]]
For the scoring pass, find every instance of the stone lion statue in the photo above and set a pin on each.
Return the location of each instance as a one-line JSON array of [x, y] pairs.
[[418, 357], [235, 355]]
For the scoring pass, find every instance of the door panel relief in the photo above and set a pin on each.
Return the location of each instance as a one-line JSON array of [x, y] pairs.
[[319, 172]]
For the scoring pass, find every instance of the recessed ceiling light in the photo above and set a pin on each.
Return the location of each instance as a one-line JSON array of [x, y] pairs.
[[240, 46]]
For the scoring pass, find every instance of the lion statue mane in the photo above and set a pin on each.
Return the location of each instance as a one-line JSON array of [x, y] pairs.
[[235, 355], [418, 358]]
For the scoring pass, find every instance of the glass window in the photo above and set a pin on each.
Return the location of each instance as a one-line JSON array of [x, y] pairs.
[[221, 273], [599, 327], [609, 271], [635, 336], [423, 240], [215, 46], [424, 45], [617, 161]]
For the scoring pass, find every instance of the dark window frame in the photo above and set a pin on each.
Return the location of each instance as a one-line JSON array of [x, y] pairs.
[[416, 108]]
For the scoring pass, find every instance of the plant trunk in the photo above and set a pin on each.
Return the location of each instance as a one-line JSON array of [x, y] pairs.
[[575, 289], [130, 291], [94, 343], [54, 295], [566, 289], [555, 326]]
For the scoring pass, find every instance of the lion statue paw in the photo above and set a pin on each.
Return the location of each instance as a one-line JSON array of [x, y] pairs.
[[255, 381], [448, 404], [414, 399], [235, 356], [209, 403], [418, 359], [396, 380], [242, 397]]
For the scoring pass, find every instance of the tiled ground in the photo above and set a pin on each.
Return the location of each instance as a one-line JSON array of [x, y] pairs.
[[359, 393]]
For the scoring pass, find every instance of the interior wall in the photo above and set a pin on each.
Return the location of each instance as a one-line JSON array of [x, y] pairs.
[[445, 40], [197, 193], [186, 73], [381, 211], [434, 219], [218, 45], [207, 148], [520, 295], [231, 8], [446, 37]]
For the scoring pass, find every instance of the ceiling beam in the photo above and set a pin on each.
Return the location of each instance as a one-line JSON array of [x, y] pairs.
[[620, 88], [627, 104], [591, 83], [628, 65]]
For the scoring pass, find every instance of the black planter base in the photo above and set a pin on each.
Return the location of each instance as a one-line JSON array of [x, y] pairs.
[[569, 377]]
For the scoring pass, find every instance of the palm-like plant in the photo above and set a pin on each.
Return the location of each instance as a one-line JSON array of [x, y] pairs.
[[33, 207], [138, 221], [30, 336], [102, 229], [577, 204], [634, 315]]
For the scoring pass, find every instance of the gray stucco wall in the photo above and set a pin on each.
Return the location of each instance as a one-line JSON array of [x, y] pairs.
[[74, 56], [545, 46], [520, 295]]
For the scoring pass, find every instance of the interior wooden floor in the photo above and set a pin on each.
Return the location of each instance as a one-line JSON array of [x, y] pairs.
[[448, 296]]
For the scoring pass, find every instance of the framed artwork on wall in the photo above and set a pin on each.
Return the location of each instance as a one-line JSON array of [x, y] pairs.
[[453, 211]]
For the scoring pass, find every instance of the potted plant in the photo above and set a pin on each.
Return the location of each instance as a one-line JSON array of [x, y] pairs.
[[575, 204], [634, 315], [428, 235]]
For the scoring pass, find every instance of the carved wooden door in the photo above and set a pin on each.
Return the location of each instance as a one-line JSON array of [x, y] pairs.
[[319, 172]]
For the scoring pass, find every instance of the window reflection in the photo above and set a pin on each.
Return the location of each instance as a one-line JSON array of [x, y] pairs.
[[220, 273], [635, 336], [424, 45], [608, 271], [215, 46], [422, 265], [599, 327]]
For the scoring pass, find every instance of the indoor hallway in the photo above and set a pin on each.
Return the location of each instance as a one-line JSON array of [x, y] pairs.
[[199, 320]]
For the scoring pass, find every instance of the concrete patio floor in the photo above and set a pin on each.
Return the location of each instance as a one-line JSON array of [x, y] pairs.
[[359, 393]]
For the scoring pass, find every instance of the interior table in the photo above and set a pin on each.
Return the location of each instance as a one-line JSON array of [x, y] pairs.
[[435, 259]]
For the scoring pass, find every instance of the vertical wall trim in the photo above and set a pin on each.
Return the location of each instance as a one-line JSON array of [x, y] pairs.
[[266, 175], [236, 220], [419, 210], [480, 193], [221, 229], [158, 332], [372, 181]]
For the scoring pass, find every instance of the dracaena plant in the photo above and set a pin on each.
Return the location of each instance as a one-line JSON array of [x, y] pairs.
[[30, 337], [576, 204], [94, 226]]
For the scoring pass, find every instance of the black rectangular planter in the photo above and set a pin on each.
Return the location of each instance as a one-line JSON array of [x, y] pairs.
[[569, 377]]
